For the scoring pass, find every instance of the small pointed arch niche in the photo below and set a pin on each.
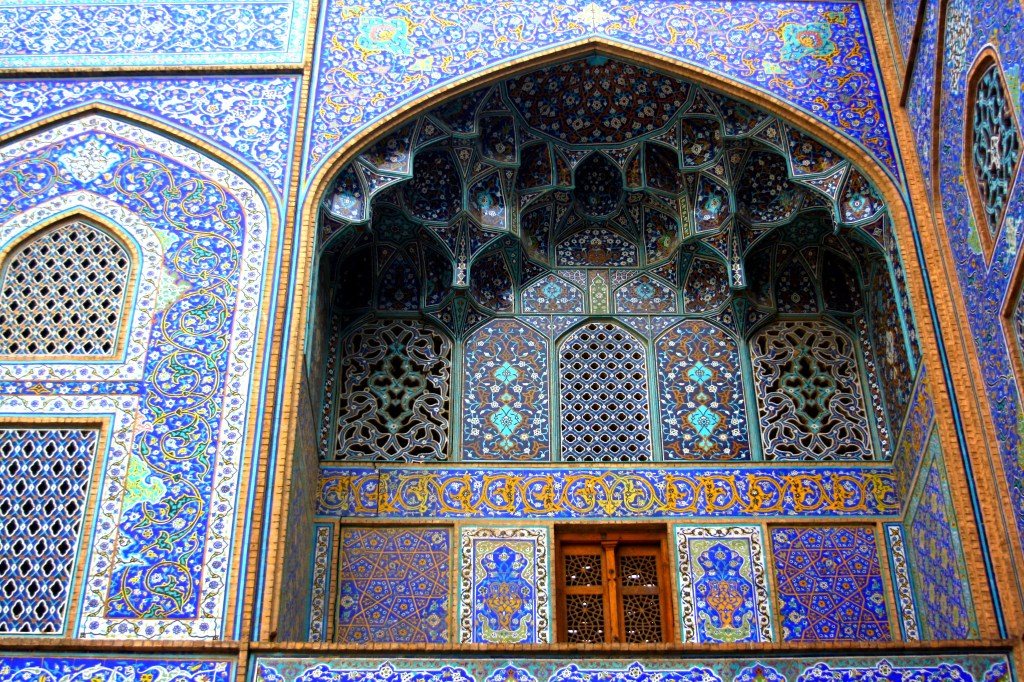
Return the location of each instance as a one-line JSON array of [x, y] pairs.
[[66, 289], [993, 147]]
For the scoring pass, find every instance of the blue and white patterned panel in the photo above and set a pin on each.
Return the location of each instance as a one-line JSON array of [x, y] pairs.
[[323, 536], [44, 33], [178, 440], [723, 591], [505, 594], [394, 52], [251, 118]]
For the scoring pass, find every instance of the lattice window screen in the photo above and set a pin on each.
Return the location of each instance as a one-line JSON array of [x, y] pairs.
[[603, 391], [63, 293], [44, 481], [996, 147], [809, 395]]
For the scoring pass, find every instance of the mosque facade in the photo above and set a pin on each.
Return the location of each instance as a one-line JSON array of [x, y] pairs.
[[548, 341]]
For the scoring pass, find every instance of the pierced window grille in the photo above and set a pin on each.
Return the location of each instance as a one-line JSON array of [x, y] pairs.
[[63, 293], [395, 402], [809, 395], [603, 389], [44, 481], [612, 588], [996, 148]]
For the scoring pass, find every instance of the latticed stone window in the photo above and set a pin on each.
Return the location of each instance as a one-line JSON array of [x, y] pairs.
[[612, 587], [603, 391], [395, 404], [44, 482], [809, 395], [63, 293], [995, 149]]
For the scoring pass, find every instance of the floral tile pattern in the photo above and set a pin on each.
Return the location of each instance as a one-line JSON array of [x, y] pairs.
[[942, 587], [180, 405], [722, 584], [504, 594], [400, 54], [44, 33]]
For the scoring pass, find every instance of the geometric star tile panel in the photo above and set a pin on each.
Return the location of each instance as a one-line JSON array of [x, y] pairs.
[[829, 584], [44, 485], [942, 588], [147, 33], [391, 53], [504, 594], [723, 592], [393, 585]]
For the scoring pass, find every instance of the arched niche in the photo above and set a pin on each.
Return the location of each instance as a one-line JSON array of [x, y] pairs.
[[495, 206]]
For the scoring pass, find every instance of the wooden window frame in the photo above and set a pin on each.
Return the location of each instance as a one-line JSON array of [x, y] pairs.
[[609, 543]]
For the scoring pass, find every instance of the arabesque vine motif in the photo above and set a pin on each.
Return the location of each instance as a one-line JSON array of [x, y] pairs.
[[559, 492], [165, 575], [381, 54]]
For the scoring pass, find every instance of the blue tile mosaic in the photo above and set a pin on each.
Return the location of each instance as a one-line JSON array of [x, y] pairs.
[[505, 594], [816, 57], [176, 453], [251, 118], [984, 279], [45, 478], [920, 100], [394, 585], [829, 584], [942, 588], [639, 492], [722, 584], [963, 667], [114, 669], [47, 33]]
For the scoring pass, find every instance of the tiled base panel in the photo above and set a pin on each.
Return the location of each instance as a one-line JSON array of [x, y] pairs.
[[963, 668]]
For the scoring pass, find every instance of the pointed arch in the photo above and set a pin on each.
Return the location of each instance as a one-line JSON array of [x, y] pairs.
[[144, 249], [600, 46], [163, 128], [116, 294], [613, 358], [76, 152]]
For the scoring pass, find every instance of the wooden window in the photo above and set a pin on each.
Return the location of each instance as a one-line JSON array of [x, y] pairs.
[[613, 587]]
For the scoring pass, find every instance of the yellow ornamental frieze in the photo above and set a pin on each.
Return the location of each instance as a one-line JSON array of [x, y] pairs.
[[567, 493]]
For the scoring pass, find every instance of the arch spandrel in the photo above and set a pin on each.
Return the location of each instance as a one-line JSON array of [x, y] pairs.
[[766, 50]]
